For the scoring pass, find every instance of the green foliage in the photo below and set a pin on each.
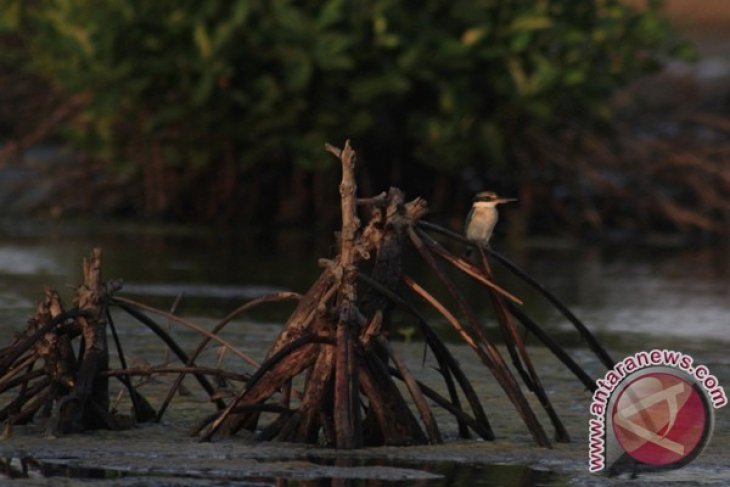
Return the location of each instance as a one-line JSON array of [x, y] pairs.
[[442, 83]]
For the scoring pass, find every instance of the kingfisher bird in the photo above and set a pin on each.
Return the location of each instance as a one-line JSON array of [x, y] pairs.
[[483, 216]]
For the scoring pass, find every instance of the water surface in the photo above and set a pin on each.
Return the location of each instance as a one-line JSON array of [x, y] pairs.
[[632, 297], [627, 295]]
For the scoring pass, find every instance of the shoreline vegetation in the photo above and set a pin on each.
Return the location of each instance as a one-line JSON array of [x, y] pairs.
[[218, 113]]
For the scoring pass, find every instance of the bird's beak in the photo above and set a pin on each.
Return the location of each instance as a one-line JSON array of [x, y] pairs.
[[505, 200]]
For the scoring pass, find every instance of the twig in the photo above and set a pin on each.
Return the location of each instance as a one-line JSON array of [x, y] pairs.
[[248, 408], [17, 404], [160, 332], [530, 377], [454, 409], [139, 414], [21, 347], [280, 296], [168, 325], [468, 268], [22, 364], [446, 361], [553, 346], [267, 366], [424, 410], [347, 427], [593, 344], [23, 379], [493, 361], [127, 304]]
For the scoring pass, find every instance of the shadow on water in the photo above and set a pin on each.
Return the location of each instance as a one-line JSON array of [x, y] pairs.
[[449, 473], [438, 473], [28, 467]]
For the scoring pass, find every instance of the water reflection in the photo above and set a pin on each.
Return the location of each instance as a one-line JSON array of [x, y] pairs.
[[28, 467], [448, 474], [24, 260], [623, 293], [371, 473], [631, 297]]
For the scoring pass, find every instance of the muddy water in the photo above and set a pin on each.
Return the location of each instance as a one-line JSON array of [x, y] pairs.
[[634, 298]]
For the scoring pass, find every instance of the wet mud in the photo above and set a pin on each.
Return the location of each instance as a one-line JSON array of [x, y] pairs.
[[165, 455]]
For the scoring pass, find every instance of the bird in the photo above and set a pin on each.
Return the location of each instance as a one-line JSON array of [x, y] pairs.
[[483, 217]]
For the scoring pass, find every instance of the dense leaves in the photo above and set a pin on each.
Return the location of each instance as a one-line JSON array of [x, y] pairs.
[[185, 91]]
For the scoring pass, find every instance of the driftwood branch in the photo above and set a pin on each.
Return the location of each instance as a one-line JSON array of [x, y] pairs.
[[590, 339], [336, 343], [346, 406]]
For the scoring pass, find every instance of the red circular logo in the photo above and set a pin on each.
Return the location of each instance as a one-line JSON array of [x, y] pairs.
[[660, 419]]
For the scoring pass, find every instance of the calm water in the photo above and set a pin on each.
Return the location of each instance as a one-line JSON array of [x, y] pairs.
[[432, 475], [632, 297], [628, 295]]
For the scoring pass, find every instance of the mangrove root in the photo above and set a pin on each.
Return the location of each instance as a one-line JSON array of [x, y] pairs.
[[332, 376]]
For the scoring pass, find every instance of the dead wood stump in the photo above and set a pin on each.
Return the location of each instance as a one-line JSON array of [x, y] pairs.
[[87, 404], [339, 343], [70, 389], [331, 377]]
